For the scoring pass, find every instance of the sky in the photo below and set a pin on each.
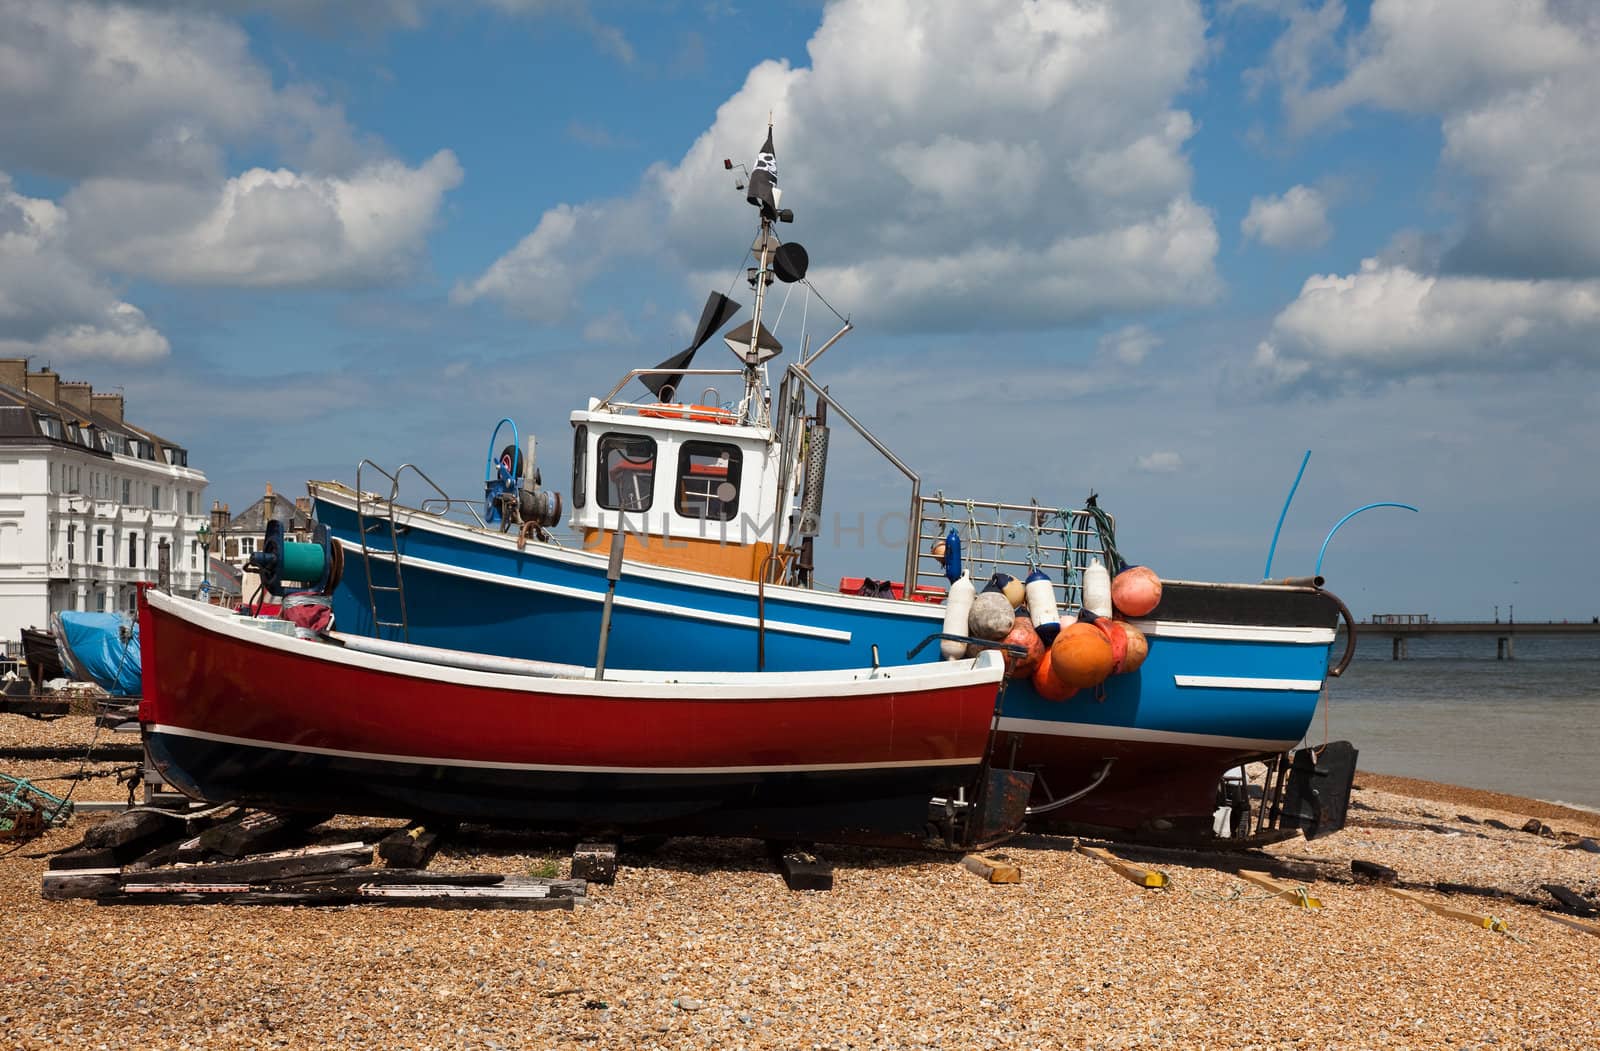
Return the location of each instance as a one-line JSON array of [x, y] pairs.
[[1155, 250]]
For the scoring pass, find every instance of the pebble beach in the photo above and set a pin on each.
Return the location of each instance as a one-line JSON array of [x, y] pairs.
[[700, 944]]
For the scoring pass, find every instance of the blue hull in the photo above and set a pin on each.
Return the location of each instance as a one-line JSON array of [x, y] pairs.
[[1233, 673]]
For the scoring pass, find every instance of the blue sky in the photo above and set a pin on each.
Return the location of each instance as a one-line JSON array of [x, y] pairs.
[[1157, 250]]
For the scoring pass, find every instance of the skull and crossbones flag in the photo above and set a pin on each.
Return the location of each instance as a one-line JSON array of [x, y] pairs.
[[765, 179]]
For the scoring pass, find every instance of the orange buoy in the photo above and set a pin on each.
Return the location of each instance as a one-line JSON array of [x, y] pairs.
[[1081, 656], [1116, 634], [1138, 647], [1045, 683], [1136, 591], [1022, 634]]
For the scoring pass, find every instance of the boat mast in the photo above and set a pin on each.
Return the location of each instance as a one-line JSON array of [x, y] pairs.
[[765, 240]]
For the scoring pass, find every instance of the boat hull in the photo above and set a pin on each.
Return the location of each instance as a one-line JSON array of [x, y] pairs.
[[1234, 672], [234, 712]]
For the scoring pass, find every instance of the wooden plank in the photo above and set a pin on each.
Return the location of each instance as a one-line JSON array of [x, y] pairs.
[[62, 884], [1486, 922], [1289, 892], [256, 831], [1150, 878], [995, 870], [306, 861], [595, 862], [1577, 925]]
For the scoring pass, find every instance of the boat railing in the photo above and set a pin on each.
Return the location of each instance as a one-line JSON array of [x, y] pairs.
[[1010, 538], [607, 404]]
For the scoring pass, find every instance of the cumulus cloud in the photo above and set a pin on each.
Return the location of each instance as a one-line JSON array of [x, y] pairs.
[[52, 307], [1296, 219], [142, 106], [1513, 86], [1389, 321], [267, 228], [946, 163]]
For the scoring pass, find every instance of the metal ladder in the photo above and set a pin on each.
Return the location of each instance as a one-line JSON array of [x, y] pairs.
[[387, 515]]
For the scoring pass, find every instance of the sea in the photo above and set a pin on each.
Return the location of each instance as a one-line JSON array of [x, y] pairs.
[[1451, 712]]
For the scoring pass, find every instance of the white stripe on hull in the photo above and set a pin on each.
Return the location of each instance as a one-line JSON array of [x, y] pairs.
[[1172, 629], [484, 764], [1096, 731], [781, 627], [1236, 682]]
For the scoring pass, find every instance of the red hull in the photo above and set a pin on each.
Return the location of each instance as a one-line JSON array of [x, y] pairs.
[[253, 708]]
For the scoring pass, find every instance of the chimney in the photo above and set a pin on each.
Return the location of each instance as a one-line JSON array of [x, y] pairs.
[[78, 396], [105, 404], [14, 372], [302, 506], [43, 383], [268, 505]]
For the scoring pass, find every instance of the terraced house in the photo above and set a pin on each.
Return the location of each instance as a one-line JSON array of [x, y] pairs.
[[90, 504]]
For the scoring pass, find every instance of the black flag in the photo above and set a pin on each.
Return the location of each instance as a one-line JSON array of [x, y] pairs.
[[764, 180]]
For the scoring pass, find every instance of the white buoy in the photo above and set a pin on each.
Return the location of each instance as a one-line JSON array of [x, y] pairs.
[[1041, 596], [1097, 589], [957, 606]]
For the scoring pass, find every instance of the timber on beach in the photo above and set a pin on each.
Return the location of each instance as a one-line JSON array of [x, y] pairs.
[[700, 943]]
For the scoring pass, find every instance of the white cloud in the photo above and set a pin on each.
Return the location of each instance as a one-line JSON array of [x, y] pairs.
[[1389, 321], [1129, 345], [984, 163], [53, 308], [267, 228], [142, 105], [1296, 219], [1162, 462], [1513, 86]]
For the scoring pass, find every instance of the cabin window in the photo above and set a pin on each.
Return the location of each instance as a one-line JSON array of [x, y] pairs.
[[708, 481], [626, 473], [580, 465]]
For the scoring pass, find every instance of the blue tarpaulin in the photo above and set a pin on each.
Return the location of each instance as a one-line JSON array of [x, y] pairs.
[[102, 648]]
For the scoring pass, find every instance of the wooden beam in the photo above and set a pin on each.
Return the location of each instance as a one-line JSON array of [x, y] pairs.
[[1152, 878], [62, 884], [1298, 895], [995, 870], [1486, 922]]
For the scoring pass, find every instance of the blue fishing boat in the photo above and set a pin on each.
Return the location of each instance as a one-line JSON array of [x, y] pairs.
[[691, 526]]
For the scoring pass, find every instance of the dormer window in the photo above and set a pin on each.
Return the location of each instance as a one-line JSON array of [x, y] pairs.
[[626, 475], [709, 475], [49, 426]]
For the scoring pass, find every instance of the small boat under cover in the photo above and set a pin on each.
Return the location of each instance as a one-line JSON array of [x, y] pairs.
[[240, 708]]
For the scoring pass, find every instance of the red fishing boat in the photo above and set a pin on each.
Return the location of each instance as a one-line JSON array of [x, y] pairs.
[[243, 708]]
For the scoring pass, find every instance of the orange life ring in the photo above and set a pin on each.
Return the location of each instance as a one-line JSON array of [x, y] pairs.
[[697, 413]]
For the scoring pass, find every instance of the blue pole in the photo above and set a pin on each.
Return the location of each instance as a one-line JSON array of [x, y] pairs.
[[1273, 550], [1347, 518]]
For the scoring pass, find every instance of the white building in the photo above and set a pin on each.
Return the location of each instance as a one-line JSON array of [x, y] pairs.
[[89, 503]]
